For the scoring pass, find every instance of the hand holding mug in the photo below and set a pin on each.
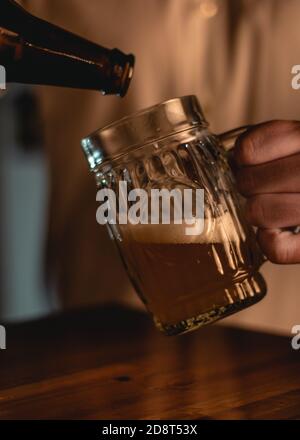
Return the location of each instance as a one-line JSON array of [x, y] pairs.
[[267, 157]]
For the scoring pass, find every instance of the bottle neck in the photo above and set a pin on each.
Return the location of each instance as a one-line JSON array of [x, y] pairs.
[[43, 53]]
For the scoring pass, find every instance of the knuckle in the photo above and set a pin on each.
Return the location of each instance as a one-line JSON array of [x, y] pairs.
[[247, 148], [277, 255], [276, 250], [255, 211]]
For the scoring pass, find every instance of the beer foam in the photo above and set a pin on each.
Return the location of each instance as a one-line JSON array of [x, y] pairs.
[[216, 230]]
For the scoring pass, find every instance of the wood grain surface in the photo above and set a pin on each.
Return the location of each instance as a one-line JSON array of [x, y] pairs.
[[111, 363]]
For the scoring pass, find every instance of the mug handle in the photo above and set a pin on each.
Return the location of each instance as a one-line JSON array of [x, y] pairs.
[[228, 140]]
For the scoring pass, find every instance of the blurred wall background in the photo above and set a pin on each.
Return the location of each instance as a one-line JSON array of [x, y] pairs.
[[24, 199]]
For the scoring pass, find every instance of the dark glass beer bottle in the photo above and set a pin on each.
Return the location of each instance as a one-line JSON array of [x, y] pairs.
[[34, 51]]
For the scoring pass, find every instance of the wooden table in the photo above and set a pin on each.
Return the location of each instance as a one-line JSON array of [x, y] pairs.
[[111, 363]]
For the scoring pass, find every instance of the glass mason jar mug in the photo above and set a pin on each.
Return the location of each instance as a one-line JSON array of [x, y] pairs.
[[185, 280]]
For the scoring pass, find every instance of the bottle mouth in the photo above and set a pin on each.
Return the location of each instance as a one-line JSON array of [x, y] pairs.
[[120, 75], [144, 127], [127, 75]]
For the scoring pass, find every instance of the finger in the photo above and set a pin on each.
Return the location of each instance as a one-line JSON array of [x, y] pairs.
[[273, 210], [280, 247], [267, 142], [279, 176]]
